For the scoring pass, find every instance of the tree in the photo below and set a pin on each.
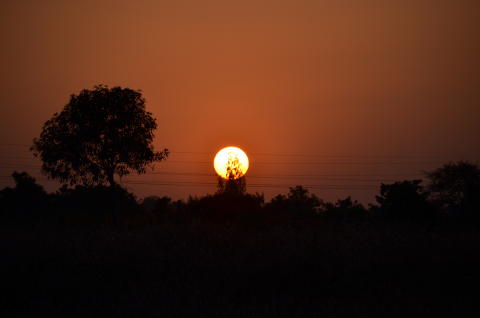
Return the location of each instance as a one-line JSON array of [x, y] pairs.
[[404, 200], [232, 186], [456, 187], [100, 133], [298, 201]]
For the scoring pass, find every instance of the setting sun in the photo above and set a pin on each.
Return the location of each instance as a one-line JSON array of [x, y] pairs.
[[231, 163]]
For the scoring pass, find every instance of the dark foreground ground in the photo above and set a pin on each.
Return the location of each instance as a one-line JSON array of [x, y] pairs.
[[255, 269]]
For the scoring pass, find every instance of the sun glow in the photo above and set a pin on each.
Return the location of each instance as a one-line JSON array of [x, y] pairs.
[[231, 163]]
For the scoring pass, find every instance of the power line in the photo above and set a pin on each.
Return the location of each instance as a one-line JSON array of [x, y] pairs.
[[282, 154], [249, 185], [345, 177], [12, 165], [313, 155], [257, 185], [279, 175], [270, 186], [316, 162], [14, 145], [275, 176], [378, 163]]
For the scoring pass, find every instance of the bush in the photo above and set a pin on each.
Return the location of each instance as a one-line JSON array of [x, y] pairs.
[[26, 200], [90, 202], [345, 210]]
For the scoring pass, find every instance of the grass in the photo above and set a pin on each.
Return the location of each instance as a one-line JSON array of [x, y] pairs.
[[201, 268]]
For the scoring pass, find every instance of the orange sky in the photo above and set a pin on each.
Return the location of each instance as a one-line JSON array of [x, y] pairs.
[[351, 92]]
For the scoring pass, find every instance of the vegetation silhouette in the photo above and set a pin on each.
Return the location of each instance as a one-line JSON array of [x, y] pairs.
[[92, 247], [94, 204], [452, 193], [27, 200], [230, 202], [232, 186], [155, 204], [455, 187], [232, 254], [345, 210], [405, 200], [298, 203], [100, 133]]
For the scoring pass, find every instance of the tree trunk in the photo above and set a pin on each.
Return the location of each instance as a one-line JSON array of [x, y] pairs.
[[113, 205], [111, 179]]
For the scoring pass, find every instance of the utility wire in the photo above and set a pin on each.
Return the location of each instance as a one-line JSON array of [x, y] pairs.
[[279, 154], [253, 185], [378, 163]]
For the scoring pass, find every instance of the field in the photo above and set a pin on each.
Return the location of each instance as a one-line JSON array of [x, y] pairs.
[[202, 268]]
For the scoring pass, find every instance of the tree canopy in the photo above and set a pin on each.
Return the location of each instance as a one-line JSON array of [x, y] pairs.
[[404, 200], [100, 133], [456, 187]]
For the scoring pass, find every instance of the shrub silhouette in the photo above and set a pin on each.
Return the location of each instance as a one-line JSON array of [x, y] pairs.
[[27, 198], [100, 133], [95, 202], [148, 203], [157, 205], [344, 210]]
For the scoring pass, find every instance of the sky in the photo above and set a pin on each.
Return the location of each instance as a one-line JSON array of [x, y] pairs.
[[334, 95]]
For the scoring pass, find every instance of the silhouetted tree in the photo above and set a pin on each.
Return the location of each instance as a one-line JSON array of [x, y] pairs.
[[100, 133], [404, 200], [456, 187], [300, 198], [232, 186], [231, 201], [298, 201]]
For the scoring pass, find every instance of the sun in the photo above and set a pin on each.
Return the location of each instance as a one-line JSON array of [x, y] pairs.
[[231, 163]]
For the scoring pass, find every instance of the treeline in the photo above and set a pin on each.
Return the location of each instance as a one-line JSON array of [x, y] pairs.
[[450, 192]]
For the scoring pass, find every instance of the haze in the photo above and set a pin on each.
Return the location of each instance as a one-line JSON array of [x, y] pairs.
[[335, 95]]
